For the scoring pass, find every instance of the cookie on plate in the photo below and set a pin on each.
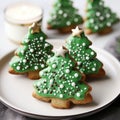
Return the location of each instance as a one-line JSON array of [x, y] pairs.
[[32, 54], [79, 48], [99, 18], [64, 16], [61, 83]]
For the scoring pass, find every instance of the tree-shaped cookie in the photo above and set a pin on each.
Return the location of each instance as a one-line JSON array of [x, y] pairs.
[[61, 83], [99, 18], [79, 48], [32, 55], [64, 16]]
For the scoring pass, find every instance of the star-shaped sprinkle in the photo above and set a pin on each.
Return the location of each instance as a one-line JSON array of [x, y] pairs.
[[61, 52], [35, 28], [76, 32]]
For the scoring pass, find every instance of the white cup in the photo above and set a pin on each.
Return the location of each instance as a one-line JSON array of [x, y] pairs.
[[18, 17]]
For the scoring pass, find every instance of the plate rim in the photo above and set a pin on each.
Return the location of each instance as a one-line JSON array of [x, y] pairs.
[[29, 114], [36, 116]]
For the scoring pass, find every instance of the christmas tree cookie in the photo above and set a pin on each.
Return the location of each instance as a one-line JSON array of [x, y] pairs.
[[79, 48], [64, 16], [61, 83], [32, 54], [99, 18]]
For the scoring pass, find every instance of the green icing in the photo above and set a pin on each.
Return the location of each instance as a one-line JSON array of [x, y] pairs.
[[61, 80], [85, 57], [98, 16], [32, 54], [64, 14]]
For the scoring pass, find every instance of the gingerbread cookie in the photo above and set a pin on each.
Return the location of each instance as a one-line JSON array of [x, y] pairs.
[[64, 16], [78, 46], [32, 55], [99, 18], [61, 83]]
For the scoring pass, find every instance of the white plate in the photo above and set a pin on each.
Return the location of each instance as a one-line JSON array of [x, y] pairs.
[[16, 91]]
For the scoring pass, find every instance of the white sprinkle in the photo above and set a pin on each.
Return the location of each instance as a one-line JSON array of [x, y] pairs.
[[73, 84], [38, 45], [70, 93], [83, 44], [45, 80], [61, 85], [26, 40], [65, 15], [78, 94], [24, 60], [77, 45], [81, 90], [38, 84], [76, 75], [76, 19], [31, 50], [78, 63], [65, 61], [108, 15], [67, 71], [78, 55], [51, 81], [22, 51], [91, 20], [61, 95], [36, 67], [54, 66], [96, 27], [97, 14], [60, 11], [18, 68], [85, 88], [34, 85], [108, 24], [41, 38], [41, 73], [46, 44], [65, 91], [93, 69], [42, 65], [68, 23], [87, 58], [45, 91], [101, 3], [101, 18], [92, 53]]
